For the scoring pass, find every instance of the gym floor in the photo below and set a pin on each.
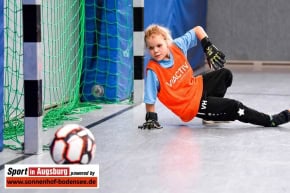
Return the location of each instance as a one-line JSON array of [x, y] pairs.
[[188, 157]]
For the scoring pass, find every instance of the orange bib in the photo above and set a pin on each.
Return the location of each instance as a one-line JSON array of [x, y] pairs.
[[179, 90]]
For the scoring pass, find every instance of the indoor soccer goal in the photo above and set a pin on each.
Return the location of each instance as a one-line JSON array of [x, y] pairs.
[[84, 43]]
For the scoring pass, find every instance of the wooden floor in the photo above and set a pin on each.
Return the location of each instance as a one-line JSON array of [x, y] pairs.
[[187, 157]]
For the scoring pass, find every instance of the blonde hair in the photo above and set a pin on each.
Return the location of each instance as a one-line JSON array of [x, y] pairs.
[[158, 30]]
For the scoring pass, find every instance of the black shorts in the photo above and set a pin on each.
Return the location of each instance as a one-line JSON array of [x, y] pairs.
[[213, 105]]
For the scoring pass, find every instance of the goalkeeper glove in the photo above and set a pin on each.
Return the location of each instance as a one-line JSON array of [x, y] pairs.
[[151, 121], [215, 58]]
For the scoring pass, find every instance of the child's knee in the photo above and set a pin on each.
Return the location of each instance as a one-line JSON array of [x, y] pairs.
[[228, 77]]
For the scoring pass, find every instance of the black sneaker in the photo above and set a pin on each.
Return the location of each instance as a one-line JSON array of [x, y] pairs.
[[281, 118]]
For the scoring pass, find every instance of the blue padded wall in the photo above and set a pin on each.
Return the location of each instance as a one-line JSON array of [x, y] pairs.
[[179, 17], [108, 54]]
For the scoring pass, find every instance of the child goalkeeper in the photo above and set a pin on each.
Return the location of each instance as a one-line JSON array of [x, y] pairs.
[[170, 77]]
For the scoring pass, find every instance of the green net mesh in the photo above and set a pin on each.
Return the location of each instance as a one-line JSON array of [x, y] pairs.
[[108, 50], [64, 53], [13, 72]]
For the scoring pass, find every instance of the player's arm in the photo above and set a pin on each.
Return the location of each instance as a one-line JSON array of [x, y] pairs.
[[215, 58], [200, 33], [150, 96], [150, 107], [151, 118]]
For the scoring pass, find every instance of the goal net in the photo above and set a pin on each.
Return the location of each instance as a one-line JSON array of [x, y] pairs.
[[84, 43]]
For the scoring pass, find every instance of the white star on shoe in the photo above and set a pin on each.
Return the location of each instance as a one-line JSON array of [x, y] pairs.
[[241, 112]]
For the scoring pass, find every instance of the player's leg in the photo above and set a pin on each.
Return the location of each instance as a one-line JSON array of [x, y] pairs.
[[215, 83], [223, 109]]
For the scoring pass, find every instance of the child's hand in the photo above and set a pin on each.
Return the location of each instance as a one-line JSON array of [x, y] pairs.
[[151, 122], [215, 58]]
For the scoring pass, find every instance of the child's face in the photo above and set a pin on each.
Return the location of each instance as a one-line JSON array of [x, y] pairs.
[[157, 47]]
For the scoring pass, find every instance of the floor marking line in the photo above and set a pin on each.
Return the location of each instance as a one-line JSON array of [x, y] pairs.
[[23, 157]]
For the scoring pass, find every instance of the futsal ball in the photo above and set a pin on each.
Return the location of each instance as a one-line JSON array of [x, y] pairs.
[[72, 144], [97, 91]]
